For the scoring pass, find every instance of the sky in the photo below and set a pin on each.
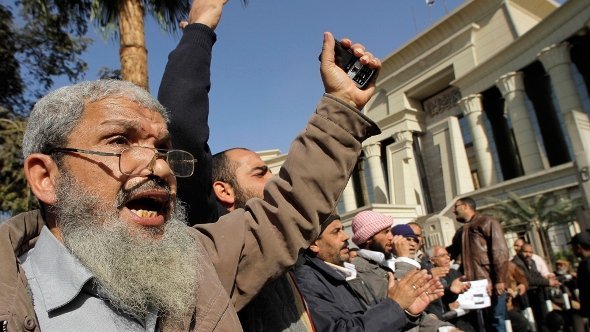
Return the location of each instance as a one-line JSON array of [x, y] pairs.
[[265, 68]]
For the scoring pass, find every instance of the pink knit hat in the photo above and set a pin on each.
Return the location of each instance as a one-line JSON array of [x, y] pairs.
[[368, 223]]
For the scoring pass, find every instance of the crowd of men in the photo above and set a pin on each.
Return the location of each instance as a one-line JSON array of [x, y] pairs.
[[133, 234]]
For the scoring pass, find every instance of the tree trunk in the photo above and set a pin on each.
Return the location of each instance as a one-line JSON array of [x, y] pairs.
[[133, 52]]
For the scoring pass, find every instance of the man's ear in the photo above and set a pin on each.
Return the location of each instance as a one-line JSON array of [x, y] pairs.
[[224, 193], [41, 172], [314, 247]]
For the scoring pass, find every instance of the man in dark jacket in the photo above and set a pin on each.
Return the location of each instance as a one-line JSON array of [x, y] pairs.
[[324, 278], [238, 176], [484, 255], [536, 283], [452, 281], [581, 247]]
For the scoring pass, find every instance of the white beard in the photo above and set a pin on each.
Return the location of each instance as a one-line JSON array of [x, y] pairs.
[[136, 272]]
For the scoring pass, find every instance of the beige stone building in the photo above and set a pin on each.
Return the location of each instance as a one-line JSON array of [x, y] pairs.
[[491, 99]]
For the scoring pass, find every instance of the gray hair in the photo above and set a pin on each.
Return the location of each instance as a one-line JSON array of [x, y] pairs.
[[55, 116]]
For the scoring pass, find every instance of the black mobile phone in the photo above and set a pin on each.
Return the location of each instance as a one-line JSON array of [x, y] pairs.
[[360, 74]]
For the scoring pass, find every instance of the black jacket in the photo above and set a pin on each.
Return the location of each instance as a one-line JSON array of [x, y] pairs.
[[533, 275], [334, 305]]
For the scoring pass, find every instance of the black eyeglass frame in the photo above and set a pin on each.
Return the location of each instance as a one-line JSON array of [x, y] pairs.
[[158, 153]]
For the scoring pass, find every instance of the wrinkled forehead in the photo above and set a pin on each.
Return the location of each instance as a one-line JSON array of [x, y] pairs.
[[120, 115]]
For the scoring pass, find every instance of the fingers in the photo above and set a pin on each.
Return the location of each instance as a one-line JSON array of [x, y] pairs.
[[390, 279], [401, 245], [207, 12], [420, 281], [337, 82], [328, 53]]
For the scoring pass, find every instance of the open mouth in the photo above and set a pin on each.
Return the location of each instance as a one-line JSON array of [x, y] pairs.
[[148, 204]]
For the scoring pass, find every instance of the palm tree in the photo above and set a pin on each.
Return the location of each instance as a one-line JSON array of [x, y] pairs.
[[536, 215], [125, 18]]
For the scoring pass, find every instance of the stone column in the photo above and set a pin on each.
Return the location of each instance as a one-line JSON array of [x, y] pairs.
[[373, 155], [512, 87], [363, 181], [556, 60], [348, 196], [404, 178], [473, 112]]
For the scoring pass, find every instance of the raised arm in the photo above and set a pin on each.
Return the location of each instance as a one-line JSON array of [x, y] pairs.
[[184, 92], [250, 246]]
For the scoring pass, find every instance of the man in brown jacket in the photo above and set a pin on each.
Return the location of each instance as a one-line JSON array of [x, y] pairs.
[[484, 255], [113, 252]]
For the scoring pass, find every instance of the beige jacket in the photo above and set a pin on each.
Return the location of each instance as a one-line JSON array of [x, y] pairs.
[[245, 248]]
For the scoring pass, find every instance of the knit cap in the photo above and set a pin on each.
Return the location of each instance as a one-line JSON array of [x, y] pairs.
[[368, 223], [404, 230]]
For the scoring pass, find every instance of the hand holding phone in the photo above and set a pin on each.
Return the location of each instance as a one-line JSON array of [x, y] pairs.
[[360, 74]]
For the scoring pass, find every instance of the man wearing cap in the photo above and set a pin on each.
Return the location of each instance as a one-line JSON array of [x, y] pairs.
[[404, 233], [581, 248], [325, 279], [372, 232]]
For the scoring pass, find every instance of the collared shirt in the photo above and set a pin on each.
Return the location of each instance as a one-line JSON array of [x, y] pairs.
[[64, 293], [347, 271]]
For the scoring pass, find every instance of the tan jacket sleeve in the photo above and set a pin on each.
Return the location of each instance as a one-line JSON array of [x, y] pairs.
[[17, 235], [248, 247]]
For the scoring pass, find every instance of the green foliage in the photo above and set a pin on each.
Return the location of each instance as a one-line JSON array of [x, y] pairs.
[[16, 196], [537, 214], [109, 73], [168, 13], [545, 211], [46, 43]]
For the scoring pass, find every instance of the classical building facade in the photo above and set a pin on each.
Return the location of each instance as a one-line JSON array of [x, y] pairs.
[[490, 100]]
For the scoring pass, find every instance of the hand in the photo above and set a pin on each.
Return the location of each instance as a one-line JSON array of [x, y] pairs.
[[512, 292], [439, 271], [554, 283], [401, 246], [415, 291], [335, 80], [435, 291], [207, 12], [459, 286], [500, 288]]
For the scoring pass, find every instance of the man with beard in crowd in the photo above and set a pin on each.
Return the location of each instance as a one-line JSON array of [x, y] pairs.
[[325, 278], [536, 284], [239, 175], [375, 262], [484, 255], [116, 255], [539, 261]]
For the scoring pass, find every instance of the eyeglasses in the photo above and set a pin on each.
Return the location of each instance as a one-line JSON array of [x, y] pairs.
[[140, 160]]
